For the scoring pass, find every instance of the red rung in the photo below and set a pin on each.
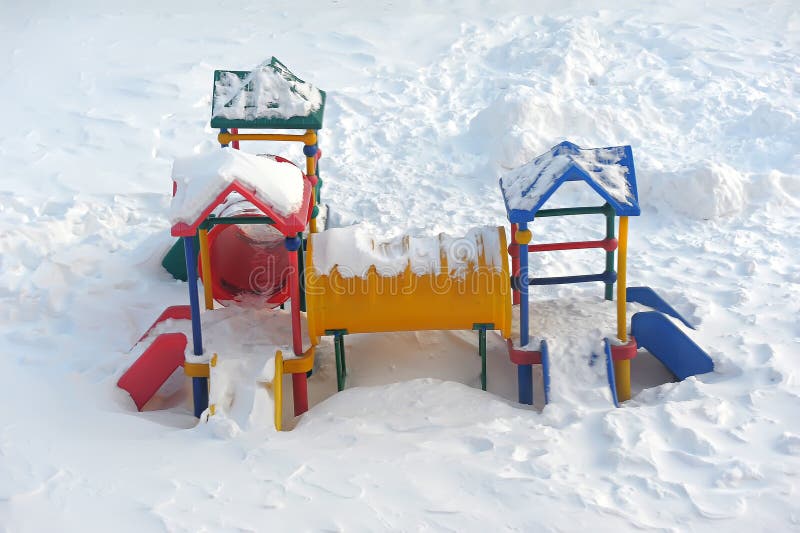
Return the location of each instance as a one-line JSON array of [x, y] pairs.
[[623, 352], [609, 245], [523, 357]]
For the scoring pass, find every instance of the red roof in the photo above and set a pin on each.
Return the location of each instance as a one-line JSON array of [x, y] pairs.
[[287, 224]]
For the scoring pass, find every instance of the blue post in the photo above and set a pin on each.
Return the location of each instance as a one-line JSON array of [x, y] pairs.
[[199, 385], [223, 130], [524, 372], [545, 370]]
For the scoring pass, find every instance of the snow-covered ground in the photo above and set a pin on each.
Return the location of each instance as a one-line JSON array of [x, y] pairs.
[[428, 104]]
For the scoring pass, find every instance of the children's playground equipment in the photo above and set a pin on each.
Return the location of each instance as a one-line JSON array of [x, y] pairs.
[[248, 228]]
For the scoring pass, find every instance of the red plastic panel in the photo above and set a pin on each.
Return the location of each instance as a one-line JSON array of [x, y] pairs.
[[153, 367]]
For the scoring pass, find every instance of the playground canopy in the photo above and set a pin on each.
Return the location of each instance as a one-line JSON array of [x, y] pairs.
[[202, 182], [267, 97], [609, 171]]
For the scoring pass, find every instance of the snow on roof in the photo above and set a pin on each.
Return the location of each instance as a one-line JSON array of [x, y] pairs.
[[270, 91], [352, 251], [609, 171], [201, 179]]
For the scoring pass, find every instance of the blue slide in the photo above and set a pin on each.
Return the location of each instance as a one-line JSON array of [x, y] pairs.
[[650, 298], [659, 336]]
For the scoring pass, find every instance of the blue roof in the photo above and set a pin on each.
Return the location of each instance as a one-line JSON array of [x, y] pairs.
[[609, 171]]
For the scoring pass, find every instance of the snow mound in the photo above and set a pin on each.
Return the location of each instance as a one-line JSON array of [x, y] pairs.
[[703, 190], [201, 178], [240, 393], [515, 123]]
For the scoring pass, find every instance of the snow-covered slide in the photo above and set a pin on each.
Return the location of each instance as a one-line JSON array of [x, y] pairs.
[[659, 336], [244, 364], [655, 332]]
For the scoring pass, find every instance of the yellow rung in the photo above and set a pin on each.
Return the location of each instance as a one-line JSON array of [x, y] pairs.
[[277, 390], [301, 365], [307, 138], [196, 370]]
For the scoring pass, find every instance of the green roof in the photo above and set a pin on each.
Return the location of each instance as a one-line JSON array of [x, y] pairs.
[[224, 98]]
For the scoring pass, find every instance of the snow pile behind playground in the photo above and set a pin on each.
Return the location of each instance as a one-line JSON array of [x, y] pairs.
[[428, 106]]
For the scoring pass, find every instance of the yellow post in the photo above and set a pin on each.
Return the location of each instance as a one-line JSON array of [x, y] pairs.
[[205, 261], [622, 369], [312, 224], [311, 170], [277, 390]]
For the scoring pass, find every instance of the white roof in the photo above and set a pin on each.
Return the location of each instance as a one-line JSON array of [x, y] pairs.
[[201, 178], [266, 92]]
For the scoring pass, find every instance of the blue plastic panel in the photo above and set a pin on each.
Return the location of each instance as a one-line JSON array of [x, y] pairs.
[[659, 336], [649, 297]]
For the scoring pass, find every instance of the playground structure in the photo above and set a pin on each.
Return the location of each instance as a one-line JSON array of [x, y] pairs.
[[236, 214]]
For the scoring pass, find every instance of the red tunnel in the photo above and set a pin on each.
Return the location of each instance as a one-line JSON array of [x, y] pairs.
[[249, 264]]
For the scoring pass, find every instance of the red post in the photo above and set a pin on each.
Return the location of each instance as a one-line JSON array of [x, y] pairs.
[[299, 381], [294, 294], [300, 393]]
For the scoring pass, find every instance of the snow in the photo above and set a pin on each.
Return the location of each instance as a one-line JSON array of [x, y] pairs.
[[352, 251], [429, 104], [201, 178], [525, 186], [266, 92]]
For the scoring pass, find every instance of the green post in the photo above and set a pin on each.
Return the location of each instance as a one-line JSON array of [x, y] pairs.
[[341, 365], [344, 359], [610, 215], [481, 328], [337, 348], [482, 350]]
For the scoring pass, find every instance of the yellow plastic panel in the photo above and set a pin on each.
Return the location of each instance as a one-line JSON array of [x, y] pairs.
[[409, 301], [277, 390], [300, 365]]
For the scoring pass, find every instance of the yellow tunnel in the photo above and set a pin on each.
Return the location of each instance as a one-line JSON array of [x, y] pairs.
[[356, 284]]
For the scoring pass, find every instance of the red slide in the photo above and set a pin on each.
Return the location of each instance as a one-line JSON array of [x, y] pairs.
[[153, 367], [175, 312]]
